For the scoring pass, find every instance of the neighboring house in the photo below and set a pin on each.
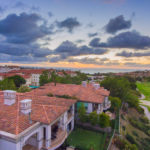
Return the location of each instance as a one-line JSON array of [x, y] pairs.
[[5, 69], [10, 74], [94, 97], [2, 76], [28, 121], [28, 80]]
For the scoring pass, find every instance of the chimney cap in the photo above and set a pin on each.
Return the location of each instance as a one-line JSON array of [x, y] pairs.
[[26, 100], [10, 91]]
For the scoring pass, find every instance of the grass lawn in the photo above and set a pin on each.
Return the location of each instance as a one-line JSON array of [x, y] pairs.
[[144, 88], [84, 138]]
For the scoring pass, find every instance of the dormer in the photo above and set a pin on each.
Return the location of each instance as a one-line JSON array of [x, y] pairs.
[[9, 97], [25, 106]]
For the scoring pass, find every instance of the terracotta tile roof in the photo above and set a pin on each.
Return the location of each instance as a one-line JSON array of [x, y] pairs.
[[44, 109], [10, 74], [87, 94]]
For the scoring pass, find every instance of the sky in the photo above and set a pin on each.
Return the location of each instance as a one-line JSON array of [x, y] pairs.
[[75, 33]]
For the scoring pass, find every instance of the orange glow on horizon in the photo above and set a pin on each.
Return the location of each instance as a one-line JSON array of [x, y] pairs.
[[76, 65]]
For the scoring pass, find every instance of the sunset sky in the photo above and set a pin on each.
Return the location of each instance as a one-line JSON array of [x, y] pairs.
[[75, 33]]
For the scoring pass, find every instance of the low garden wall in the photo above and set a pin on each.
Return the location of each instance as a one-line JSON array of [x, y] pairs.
[[95, 127]]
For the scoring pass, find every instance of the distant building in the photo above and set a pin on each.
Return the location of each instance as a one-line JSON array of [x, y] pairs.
[[5, 69]]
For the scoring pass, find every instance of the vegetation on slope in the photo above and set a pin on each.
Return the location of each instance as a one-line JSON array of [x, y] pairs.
[[144, 88]]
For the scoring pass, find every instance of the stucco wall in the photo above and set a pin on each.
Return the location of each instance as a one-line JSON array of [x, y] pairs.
[[6, 145]]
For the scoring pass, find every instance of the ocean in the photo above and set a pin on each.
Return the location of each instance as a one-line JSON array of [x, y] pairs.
[[92, 70], [101, 70]]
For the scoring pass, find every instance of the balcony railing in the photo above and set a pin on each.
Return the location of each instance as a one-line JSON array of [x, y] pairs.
[[59, 140]]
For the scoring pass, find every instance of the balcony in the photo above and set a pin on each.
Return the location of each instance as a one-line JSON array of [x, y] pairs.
[[69, 115], [58, 140]]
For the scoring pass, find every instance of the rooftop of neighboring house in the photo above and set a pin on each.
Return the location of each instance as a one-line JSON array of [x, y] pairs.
[[89, 93], [44, 110], [10, 74]]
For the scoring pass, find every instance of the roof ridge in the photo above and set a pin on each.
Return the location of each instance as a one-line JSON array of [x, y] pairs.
[[46, 114], [17, 116]]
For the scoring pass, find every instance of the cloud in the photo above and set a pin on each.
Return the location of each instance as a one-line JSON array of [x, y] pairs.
[[90, 25], [67, 49], [117, 24], [70, 24], [130, 54], [80, 41], [95, 61], [5, 58], [23, 28], [24, 50], [132, 40], [95, 42], [35, 8], [50, 14], [20, 5], [92, 34], [132, 64], [2, 9]]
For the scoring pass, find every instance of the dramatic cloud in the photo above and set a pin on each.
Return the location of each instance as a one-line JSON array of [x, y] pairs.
[[67, 49], [96, 61], [23, 50], [69, 23], [23, 28], [95, 42], [124, 40], [130, 54], [5, 58], [92, 34], [117, 24]]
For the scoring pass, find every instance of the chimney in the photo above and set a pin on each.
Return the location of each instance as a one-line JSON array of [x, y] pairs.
[[84, 83], [25, 106], [9, 97], [96, 86]]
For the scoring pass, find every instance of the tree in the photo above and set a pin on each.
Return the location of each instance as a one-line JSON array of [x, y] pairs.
[[82, 113], [133, 147], [7, 84], [115, 103], [18, 80], [24, 89], [93, 117], [117, 86], [44, 78], [121, 87], [104, 120], [54, 77]]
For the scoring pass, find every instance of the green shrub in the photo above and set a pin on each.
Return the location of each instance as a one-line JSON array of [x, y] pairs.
[[104, 120], [82, 113], [144, 119], [93, 118], [135, 133], [50, 95], [130, 138]]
